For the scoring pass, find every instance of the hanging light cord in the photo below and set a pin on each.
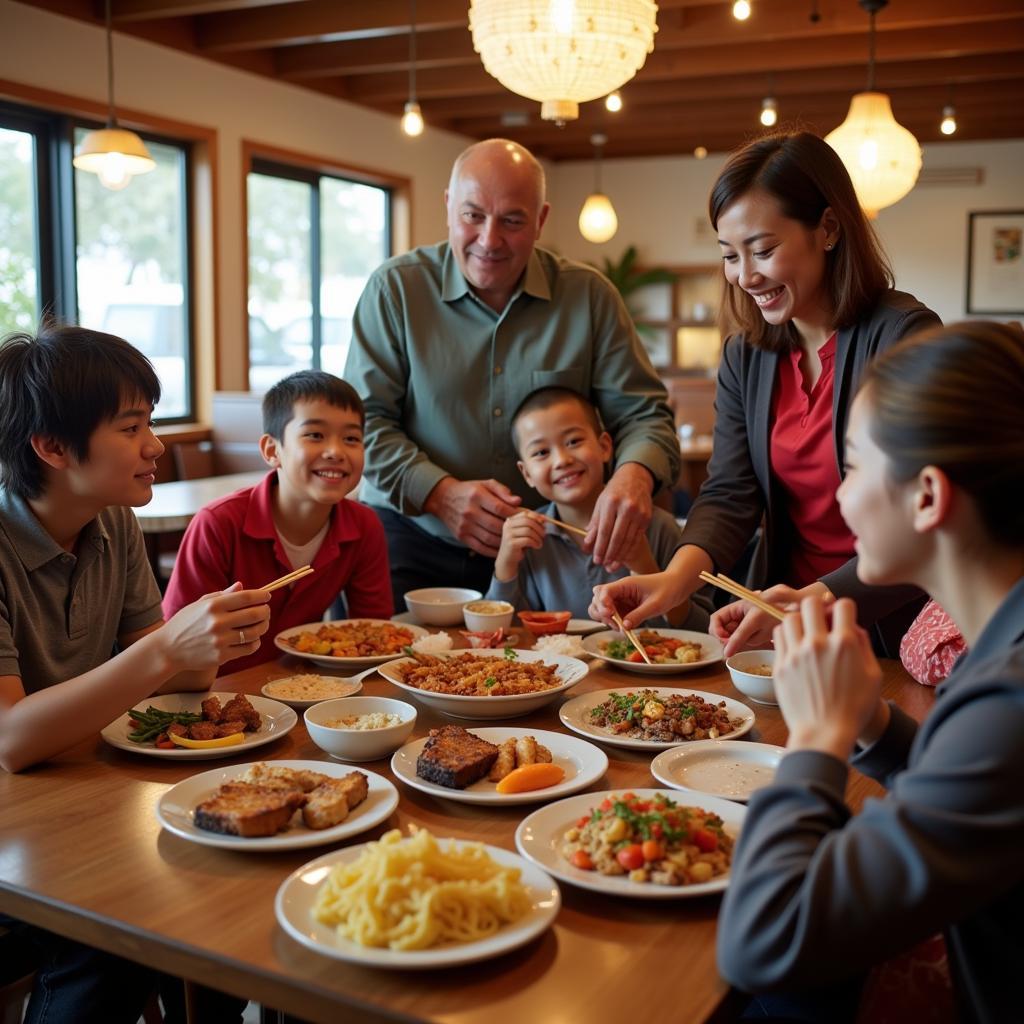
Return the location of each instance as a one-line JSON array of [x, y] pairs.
[[871, 53], [412, 50], [111, 118]]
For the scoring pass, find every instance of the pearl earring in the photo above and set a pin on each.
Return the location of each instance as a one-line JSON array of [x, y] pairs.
[[828, 247]]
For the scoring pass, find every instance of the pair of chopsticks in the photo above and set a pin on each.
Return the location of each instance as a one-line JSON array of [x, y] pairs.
[[737, 590], [289, 578], [631, 637], [558, 522]]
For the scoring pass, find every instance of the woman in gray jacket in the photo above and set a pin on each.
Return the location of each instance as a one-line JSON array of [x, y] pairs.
[[933, 488], [808, 293]]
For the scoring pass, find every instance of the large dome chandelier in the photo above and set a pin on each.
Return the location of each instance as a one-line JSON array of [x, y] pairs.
[[563, 52], [883, 158]]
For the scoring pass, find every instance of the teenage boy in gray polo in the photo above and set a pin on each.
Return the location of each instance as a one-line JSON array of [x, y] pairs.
[[76, 450]]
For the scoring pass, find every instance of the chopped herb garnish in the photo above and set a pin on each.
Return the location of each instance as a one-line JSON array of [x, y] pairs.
[[510, 654], [490, 681]]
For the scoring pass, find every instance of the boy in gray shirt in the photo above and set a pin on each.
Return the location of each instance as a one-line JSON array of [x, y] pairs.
[[563, 453]]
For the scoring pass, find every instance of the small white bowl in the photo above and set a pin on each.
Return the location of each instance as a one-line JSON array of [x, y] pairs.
[[439, 606], [487, 621], [760, 689], [359, 744]]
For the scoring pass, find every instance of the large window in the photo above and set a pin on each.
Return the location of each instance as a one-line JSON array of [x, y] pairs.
[[314, 239], [114, 261]]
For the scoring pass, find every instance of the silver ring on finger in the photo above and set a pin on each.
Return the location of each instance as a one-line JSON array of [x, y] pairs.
[[241, 638]]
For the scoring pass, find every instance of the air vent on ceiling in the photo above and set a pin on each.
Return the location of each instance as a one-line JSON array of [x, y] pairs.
[[951, 176]]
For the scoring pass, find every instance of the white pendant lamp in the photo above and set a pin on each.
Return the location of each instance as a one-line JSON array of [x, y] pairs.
[[115, 154], [598, 221], [883, 158], [412, 117], [563, 52]]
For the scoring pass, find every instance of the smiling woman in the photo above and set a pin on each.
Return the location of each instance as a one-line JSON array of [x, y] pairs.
[[810, 289]]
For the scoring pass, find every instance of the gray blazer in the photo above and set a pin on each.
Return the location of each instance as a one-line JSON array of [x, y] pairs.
[[741, 492], [817, 896]]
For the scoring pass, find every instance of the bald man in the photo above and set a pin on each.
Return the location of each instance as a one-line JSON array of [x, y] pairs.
[[449, 339]]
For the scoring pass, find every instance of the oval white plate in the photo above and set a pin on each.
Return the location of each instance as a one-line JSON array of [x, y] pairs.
[[278, 719], [297, 895], [353, 684], [731, 769], [583, 626], [328, 661], [583, 763], [176, 809], [569, 670], [712, 651], [541, 834], [576, 715]]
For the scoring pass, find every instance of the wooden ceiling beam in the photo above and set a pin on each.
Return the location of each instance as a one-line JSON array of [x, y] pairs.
[[321, 21], [128, 11]]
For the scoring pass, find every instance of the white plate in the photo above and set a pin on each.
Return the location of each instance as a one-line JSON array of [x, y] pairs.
[[541, 834], [278, 719], [583, 626], [329, 661], [352, 686], [297, 895], [731, 769], [569, 670], [576, 715], [712, 651], [176, 809], [583, 763]]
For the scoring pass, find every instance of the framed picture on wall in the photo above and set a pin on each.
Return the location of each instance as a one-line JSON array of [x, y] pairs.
[[995, 262]]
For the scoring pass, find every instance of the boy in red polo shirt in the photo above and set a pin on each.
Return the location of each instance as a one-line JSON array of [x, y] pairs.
[[299, 515]]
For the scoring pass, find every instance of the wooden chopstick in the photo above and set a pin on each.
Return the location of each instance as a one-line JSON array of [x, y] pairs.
[[288, 578], [631, 637], [558, 522], [737, 590]]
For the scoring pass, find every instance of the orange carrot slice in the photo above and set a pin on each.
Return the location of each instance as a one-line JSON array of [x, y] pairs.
[[531, 776]]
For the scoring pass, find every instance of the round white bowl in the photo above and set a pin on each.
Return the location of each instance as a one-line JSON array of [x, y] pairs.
[[439, 606], [486, 622], [758, 688], [359, 744]]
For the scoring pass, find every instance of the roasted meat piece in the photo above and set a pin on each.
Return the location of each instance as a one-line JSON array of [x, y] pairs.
[[455, 758]]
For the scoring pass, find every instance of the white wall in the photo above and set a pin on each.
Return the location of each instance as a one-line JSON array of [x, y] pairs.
[[68, 56], [662, 208]]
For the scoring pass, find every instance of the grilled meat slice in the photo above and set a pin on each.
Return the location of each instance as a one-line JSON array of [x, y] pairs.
[[455, 758], [279, 777], [329, 804], [240, 809]]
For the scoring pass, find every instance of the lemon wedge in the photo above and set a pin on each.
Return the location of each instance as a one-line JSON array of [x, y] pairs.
[[221, 741]]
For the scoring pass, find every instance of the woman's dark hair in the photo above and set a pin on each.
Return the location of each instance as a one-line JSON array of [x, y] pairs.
[[62, 384], [952, 397], [805, 175], [279, 401]]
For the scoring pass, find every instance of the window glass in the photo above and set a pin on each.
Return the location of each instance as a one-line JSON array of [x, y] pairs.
[[131, 257], [19, 243]]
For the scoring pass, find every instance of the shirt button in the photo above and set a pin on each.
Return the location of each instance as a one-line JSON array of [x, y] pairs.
[[497, 412], [497, 371], [66, 559]]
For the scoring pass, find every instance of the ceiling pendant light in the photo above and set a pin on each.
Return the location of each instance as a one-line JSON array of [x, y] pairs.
[[115, 154], [563, 52], [741, 10], [613, 102], [883, 158], [598, 222], [948, 124], [769, 111], [412, 118]]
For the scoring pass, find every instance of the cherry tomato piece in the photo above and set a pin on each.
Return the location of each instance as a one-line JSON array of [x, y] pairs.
[[652, 849], [705, 841], [631, 857], [581, 859]]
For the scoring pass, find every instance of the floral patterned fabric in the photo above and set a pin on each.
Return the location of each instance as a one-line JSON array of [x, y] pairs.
[[931, 646]]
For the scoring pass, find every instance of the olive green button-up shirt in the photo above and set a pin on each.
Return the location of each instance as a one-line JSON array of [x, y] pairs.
[[442, 373]]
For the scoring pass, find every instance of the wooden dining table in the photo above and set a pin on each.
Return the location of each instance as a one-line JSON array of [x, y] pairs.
[[82, 853]]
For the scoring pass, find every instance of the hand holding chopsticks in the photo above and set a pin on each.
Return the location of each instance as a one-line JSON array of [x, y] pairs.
[[289, 578], [737, 590], [558, 522]]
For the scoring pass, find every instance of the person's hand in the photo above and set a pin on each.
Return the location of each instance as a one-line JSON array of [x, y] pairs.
[[827, 679], [639, 559], [521, 531], [623, 510], [743, 627], [216, 629], [636, 599], [474, 511]]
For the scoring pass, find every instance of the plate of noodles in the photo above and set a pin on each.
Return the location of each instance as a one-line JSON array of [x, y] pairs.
[[487, 682], [326, 904], [348, 643]]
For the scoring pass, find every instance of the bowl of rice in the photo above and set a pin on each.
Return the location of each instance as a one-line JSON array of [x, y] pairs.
[[360, 728], [303, 691]]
